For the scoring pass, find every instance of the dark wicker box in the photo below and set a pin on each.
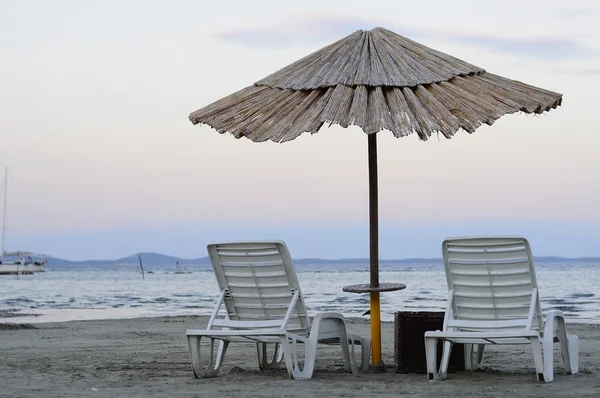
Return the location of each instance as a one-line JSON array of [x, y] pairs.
[[409, 342]]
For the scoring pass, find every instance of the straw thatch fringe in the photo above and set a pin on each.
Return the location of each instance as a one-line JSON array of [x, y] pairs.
[[377, 80], [263, 113]]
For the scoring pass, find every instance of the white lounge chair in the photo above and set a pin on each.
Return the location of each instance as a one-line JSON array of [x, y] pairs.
[[263, 304], [493, 299]]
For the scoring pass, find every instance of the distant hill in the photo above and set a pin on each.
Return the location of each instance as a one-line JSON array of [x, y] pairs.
[[163, 260], [148, 259]]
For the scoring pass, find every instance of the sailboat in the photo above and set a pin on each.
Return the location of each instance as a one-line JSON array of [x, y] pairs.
[[18, 262]]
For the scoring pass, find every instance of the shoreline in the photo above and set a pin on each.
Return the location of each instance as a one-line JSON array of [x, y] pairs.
[[148, 357], [99, 314], [12, 317]]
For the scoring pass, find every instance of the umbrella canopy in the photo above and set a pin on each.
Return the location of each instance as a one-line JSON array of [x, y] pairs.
[[377, 80]]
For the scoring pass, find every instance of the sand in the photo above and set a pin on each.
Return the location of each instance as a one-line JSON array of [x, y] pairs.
[[148, 357]]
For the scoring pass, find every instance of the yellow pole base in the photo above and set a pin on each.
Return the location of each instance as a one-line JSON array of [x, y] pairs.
[[377, 364]]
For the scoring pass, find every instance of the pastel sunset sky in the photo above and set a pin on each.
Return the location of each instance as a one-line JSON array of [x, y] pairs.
[[94, 105]]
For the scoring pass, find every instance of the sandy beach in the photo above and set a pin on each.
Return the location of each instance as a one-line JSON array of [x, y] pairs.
[[148, 357]]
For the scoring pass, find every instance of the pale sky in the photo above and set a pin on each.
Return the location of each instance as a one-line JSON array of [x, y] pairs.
[[94, 105]]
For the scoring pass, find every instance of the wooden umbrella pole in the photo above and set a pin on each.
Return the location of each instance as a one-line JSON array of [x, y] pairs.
[[376, 361]]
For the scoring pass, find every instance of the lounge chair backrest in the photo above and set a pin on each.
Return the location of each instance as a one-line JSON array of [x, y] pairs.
[[259, 282], [492, 279]]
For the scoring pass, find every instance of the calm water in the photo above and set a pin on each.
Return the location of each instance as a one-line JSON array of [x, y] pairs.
[[120, 292]]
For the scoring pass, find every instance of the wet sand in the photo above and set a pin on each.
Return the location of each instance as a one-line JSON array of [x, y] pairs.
[[148, 357]]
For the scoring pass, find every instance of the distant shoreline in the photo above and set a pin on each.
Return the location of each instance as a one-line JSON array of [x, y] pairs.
[[157, 259]]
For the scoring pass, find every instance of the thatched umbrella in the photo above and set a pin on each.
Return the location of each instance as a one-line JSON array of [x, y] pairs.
[[377, 80]]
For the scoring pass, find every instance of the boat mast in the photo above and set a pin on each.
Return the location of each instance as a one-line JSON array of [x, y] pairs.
[[4, 210]]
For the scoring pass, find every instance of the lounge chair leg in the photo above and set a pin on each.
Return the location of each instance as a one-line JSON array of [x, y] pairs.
[[365, 351], [548, 357], [445, 359], [536, 347], [289, 345], [214, 363], [573, 348], [263, 357], [431, 357], [366, 354], [570, 355], [350, 361], [220, 353], [473, 357], [569, 344], [480, 349], [468, 350]]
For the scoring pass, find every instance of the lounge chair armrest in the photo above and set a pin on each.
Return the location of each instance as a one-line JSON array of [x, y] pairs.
[[324, 315], [554, 313], [551, 322], [327, 323]]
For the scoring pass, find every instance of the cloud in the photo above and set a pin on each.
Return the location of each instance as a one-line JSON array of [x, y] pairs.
[[304, 30], [546, 48], [324, 29], [581, 12], [578, 71]]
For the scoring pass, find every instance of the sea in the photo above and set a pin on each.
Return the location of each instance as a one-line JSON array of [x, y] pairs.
[[117, 292]]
